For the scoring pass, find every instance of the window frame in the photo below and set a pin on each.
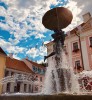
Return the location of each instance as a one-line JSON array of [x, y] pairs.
[[76, 64], [90, 41], [75, 49], [8, 87]]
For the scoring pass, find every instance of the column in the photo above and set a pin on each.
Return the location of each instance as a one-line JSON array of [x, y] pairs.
[[85, 55], [22, 87], [12, 87], [27, 89], [9, 73], [4, 88]]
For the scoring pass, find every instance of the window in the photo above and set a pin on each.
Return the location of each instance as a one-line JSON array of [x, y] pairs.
[[12, 73], [77, 64], [90, 41], [29, 87], [17, 87], [8, 87], [75, 47], [39, 70], [43, 71], [34, 69], [6, 73], [41, 79], [36, 88], [25, 86]]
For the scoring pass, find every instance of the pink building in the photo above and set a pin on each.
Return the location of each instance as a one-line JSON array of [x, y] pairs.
[[78, 45]]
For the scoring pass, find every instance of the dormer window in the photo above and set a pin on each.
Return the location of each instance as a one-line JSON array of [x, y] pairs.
[[75, 47], [34, 68], [90, 41], [39, 70]]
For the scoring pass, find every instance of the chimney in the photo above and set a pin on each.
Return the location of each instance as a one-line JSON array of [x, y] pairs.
[[11, 55], [86, 17]]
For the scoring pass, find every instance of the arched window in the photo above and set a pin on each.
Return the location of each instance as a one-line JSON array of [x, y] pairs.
[[8, 87]]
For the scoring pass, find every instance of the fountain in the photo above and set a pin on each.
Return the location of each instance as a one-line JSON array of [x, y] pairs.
[[61, 76], [60, 82]]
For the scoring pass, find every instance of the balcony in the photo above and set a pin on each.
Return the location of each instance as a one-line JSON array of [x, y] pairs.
[[91, 45], [76, 50], [77, 67]]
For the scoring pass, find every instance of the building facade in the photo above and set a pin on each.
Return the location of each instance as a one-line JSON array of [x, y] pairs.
[[2, 66], [23, 76], [78, 46]]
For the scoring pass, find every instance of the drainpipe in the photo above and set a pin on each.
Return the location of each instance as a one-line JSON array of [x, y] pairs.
[[77, 34]]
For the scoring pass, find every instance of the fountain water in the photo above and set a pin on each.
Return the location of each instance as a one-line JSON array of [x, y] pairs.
[[63, 77], [60, 77]]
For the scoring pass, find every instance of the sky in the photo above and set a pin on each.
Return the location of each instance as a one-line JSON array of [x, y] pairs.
[[21, 29]]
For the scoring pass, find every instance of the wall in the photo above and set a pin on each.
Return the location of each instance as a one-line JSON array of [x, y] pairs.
[[85, 33], [2, 68]]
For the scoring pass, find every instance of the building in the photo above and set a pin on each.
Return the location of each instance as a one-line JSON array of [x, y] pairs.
[[22, 76], [2, 65], [78, 45]]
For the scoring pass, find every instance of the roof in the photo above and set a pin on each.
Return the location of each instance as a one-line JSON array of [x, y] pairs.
[[17, 65], [35, 64], [50, 43], [75, 29], [2, 51]]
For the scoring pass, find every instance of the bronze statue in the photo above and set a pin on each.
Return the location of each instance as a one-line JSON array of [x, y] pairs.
[[58, 35]]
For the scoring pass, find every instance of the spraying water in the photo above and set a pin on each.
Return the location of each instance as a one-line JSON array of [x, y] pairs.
[[59, 75]]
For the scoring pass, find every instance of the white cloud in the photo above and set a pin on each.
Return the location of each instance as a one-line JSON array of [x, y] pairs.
[[35, 52], [16, 57], [32, 52], [13, 41], [78, 8], [19, 11], [40, 61], [46, 42], [10, 48], [2, 11]]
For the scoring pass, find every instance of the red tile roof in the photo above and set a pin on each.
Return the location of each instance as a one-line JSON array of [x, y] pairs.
[[17, 65], [35, 64]]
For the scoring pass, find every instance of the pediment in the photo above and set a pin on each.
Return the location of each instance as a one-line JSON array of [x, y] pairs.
[[87, 25]]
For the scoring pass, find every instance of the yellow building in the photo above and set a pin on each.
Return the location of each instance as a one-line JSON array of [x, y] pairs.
[[2, 65]]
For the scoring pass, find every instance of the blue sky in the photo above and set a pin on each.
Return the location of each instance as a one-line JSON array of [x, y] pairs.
[[21, 29]]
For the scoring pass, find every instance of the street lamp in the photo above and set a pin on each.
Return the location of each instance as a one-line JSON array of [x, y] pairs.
[[78, 35]]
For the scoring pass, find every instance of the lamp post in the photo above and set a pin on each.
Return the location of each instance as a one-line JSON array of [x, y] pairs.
[[78, 35]]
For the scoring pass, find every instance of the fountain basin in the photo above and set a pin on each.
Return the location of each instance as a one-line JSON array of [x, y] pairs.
[[47, 97]]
